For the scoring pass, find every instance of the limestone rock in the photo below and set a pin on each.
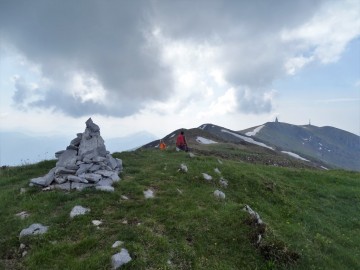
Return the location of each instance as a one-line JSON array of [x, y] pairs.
[[96, 222], [183, 168], [223, 182], [44, 180], [105, 188], [253, 214], [68, 157], [117, 244], [78, 210], [121, 258], [219, 194], [22, 214], [207, 177], [217, 171], [33, 229], [149, 194]]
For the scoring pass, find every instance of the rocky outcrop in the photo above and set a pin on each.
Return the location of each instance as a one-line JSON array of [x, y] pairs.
[[84, 163]]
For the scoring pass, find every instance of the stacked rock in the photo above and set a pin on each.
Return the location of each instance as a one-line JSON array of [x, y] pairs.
[[84, 163]]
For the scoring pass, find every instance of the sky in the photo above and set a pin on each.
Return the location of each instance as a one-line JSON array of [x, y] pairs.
[[156, 65]]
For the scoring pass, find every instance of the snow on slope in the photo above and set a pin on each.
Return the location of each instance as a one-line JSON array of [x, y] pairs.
[[253, 133], [249, 140], [294, 155], [204, 140]]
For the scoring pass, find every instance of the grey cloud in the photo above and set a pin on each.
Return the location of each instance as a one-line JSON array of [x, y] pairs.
[[105, 40], [22, 90], [108, 41]]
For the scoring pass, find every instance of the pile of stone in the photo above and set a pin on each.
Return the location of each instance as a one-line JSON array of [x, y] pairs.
[[84, 163]]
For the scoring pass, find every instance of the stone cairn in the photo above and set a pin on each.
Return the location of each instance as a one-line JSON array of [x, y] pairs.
[[84, 163]]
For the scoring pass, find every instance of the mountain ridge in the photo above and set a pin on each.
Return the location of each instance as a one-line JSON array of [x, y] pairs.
[[327, 147]]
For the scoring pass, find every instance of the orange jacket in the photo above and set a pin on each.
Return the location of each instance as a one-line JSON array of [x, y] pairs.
[[162, 146]]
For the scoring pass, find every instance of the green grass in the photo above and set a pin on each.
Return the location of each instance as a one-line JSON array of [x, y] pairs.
[[313, 214]]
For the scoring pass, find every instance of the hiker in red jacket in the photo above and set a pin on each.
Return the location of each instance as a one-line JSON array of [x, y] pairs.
[[181, 142]]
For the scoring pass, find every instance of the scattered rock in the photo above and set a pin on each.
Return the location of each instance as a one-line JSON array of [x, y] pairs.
[[217, 171], [219, 194], [96, 222], [84, 161], [105, 188], [148, 194], [121, 258], [178, 190], [117, 244], [191, 155], [220, 162], [48, 188], [78, 210], [33, 229], [22, 214], [223, 182], [183, 168], [124, 197], [254, 214], [24, 253], [22, 190], [207, 177]]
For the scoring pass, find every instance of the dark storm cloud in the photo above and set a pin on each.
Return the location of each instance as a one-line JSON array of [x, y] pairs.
[[108, 41], [102, 39]]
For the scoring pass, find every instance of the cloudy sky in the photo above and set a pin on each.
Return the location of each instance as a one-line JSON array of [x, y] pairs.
[[159, 65]]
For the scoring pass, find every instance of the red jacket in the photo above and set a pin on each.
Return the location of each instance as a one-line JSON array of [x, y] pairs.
[[180, 141]]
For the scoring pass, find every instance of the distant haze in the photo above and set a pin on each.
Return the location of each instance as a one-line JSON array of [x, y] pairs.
[[20, 149]]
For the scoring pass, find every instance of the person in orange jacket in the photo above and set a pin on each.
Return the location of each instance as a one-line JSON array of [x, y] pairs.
[[162, 145], [181, 142]]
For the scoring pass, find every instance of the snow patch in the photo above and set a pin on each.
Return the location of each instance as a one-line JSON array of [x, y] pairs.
[[204, 140], [172, 136], [202, 127], [294, 155], [324, 168], [253, 133], [249, 140]]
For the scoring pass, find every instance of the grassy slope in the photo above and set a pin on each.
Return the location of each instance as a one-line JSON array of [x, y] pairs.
[[313, 213]]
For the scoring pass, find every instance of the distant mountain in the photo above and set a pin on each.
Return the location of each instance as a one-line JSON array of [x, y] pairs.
[[224, 143], [322, 147], [19, 149], [333, 146]]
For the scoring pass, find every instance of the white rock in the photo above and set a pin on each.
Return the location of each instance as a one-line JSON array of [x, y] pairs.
[[44, 180], [96, 222], [253, 213], [183, 168], [22, 190], [121, 258], [105, 188], [24, 253], [33, 229], [22, 246], [191, 155], [223, 182], [220, 161], [124, 197], [22, 214], [178, 190], [219, 194], [78, 210], [217, 171], [117, 244], [207, 177], [148, 194]]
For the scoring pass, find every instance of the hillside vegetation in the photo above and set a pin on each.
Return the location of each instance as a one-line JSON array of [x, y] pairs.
[[311, 216]]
